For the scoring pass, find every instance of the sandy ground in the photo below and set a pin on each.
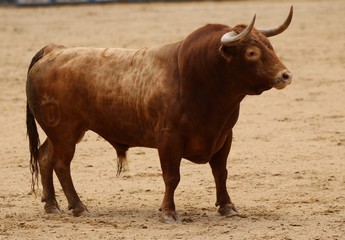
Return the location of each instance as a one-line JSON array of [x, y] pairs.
[[287, 166]]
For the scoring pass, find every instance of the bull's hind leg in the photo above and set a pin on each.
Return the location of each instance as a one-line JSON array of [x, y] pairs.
[[64, 153], [46, 169]]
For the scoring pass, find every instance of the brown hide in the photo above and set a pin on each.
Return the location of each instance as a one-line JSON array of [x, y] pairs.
[[213, 86], [181, 98], [117, 93]]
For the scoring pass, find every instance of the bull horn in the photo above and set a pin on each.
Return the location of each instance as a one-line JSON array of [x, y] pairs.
[[281, 28], [232, 38]]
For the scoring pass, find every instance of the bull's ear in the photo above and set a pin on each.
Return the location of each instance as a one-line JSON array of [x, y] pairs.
[[227, 52]]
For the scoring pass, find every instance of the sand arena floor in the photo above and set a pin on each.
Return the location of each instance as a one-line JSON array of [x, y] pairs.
[[287, 166]]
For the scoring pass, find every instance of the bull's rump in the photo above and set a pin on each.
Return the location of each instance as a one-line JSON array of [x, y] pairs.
[[117, 93]]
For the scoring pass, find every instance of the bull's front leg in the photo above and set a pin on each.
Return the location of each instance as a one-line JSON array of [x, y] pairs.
[[220, 174], [170, 154]]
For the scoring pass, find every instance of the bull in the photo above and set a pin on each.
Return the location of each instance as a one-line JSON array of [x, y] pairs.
[[181, 98]]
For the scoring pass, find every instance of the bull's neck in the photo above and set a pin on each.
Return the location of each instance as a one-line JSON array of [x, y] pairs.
[[207, 103], [209, 89]]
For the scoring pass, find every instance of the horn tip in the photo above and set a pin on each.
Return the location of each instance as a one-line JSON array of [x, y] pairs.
[[253, 20]]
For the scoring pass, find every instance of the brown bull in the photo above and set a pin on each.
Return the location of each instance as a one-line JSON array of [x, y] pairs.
[[181, 98]]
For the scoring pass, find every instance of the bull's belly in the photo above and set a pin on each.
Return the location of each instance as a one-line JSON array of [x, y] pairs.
[[70, 118], [124, 131]]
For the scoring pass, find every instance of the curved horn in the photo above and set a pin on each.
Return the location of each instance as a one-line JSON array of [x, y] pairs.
[[232, 38], [281, 28]]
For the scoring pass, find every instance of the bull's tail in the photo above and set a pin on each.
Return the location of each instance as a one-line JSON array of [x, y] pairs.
[[34, 144], [34, 140]]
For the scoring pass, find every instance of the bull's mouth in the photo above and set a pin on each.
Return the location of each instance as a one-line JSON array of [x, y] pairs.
[[281, 84], [282, 79]]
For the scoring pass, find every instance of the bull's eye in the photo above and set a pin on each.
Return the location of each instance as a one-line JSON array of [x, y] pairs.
[[253, 54]]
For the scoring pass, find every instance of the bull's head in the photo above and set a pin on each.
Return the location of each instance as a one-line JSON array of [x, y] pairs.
[[252, 53]]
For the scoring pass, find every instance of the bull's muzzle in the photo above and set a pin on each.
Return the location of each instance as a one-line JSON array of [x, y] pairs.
[[282, 79]]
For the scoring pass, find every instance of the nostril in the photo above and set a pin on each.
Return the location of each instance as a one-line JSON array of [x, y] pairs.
[[282, 79], [286, 75]]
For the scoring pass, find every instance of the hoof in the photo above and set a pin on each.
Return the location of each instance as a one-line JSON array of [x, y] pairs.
[[52, 208], [228, 210], [80, 210], [170, 218], [84, 213]]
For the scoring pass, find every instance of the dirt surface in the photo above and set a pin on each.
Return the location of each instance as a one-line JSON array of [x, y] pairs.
[[287, 165]]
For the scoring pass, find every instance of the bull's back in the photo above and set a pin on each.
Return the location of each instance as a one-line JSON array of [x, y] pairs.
[[114, 92]]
